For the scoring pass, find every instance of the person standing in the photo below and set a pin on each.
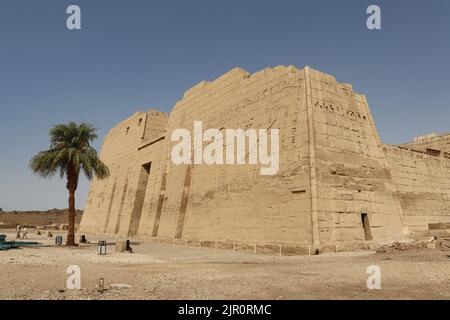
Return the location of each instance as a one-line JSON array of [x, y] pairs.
[[17, 231], [24, 233]]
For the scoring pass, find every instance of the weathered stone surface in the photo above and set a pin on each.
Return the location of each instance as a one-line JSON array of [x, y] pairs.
[[434, 144], [337, 182], [121, 246]]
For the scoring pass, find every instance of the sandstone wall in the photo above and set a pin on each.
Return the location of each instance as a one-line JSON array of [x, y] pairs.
[[111, 201], [435, 142], [234, 202], [336, 184], [352, 176], [422, 185]]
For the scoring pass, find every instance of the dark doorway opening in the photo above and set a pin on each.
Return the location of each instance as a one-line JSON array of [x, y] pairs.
[[366, 226], [147, 167]]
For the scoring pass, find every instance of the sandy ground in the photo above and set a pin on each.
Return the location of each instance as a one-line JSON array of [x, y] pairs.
[[155, 271]]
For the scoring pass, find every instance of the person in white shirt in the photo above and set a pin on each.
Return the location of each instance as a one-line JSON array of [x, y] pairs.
[[24, 233]]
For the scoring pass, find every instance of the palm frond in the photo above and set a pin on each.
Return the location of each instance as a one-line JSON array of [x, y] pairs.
[[70, 148]]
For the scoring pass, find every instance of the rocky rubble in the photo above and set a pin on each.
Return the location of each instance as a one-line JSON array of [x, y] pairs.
[[430, 243]]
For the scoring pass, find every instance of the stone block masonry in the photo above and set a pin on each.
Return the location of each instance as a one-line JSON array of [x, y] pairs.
[[337, 184]]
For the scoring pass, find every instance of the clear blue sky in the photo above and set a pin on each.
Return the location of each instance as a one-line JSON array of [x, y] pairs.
[[133, 55]]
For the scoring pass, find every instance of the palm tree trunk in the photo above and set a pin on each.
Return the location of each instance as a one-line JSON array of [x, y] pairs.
[[71, 228], [72, 187]]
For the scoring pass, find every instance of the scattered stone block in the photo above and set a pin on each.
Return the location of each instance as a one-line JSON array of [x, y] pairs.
[[101, 285], [121, 246], [438, 226]]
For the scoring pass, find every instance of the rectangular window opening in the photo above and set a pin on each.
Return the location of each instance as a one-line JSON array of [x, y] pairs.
[[433, 152]]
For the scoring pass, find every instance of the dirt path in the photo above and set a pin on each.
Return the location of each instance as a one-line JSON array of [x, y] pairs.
[[173, 272]]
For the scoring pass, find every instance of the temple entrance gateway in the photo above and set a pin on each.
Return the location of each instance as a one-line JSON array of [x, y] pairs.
[[139, 199]]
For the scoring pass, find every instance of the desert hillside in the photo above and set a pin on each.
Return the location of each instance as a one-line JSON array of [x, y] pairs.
[[36, 218]]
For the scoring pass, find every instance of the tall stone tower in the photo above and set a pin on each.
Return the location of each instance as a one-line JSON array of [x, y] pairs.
[[354, 189], [335, 183]]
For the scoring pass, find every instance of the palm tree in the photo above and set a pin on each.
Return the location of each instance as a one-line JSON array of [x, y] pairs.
[[69, 153]]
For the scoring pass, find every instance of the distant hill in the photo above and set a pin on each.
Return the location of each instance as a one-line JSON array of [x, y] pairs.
[[37, 218]]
